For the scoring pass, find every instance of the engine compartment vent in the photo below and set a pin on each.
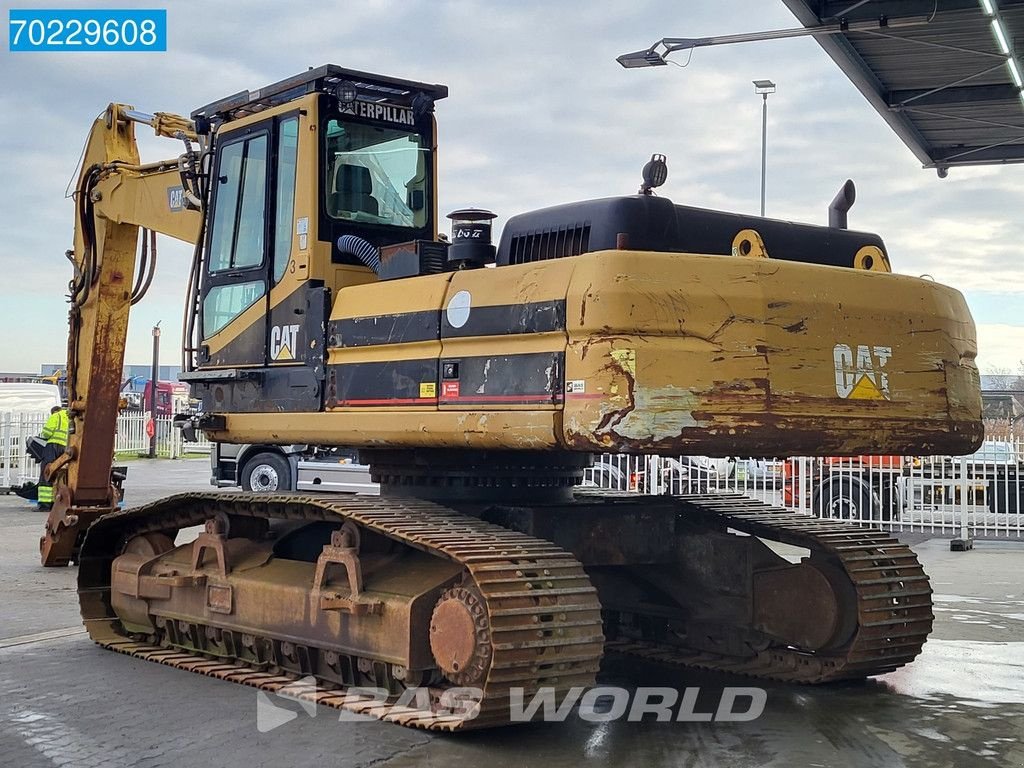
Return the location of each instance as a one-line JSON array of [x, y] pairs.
[[549, 244]]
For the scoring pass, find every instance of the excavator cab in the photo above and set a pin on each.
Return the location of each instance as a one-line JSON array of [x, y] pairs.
[[331, 155]]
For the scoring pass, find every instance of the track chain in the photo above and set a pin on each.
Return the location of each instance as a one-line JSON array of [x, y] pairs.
[[894, 606], [543, 612]]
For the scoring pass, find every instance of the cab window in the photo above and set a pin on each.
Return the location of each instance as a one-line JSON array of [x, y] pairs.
[[376, 175], [284, 194], [223, 303], [239, 220]]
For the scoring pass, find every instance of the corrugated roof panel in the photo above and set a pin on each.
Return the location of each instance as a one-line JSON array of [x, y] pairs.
[[943, 85]]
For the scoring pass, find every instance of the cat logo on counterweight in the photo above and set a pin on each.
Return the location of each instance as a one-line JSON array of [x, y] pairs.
[[861, 372]]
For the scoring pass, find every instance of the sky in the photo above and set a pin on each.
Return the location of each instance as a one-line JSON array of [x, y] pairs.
[[539, 113]]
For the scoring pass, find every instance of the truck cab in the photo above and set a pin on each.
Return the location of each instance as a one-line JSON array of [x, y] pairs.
[[273, 468], [171, 397]]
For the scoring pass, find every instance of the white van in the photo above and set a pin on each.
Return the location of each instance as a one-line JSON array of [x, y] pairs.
[[20, 397], [24, 408]]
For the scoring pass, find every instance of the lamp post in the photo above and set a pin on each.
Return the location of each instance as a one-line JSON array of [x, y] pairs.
[[764, 87], [153, 386]]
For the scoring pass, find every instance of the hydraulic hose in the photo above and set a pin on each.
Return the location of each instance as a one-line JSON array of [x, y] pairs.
[[362, 250]]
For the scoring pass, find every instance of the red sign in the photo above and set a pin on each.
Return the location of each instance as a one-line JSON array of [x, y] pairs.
[[150, 428], [449, 389]]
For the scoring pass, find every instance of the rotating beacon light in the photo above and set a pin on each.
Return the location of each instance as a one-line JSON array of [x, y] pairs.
[[471, 246]]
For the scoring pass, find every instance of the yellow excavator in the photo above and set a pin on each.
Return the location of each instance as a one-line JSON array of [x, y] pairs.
[[478, 381]]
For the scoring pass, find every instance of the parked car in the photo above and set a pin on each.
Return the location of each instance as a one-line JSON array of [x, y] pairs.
[[994, 482], [689, 474], [684, 474], [607, 473]]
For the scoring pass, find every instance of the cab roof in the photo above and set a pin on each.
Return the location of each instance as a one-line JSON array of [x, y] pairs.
[[323, 79]]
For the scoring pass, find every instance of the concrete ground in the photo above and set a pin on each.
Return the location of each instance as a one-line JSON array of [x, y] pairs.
[[63, 701]]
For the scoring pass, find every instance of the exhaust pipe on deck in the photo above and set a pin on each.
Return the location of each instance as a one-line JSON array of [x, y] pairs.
[[840, 204]]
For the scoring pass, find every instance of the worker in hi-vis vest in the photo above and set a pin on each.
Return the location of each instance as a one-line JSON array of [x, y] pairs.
[[55, 433]]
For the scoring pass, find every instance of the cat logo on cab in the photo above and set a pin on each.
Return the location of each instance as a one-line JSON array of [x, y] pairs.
[[860, 371], [284, 341]]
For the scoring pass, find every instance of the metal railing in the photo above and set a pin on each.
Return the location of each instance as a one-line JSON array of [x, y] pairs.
[[17, 468], [132, 437], [981, 495]]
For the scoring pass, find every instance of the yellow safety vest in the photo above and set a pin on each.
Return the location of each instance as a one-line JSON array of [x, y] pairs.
[[56, 428]]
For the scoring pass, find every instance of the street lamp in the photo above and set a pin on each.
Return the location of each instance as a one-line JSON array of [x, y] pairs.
[[154, 386], [764, 87], [649, 58]]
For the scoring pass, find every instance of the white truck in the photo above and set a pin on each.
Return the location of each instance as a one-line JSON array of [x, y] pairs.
[[270, 468]]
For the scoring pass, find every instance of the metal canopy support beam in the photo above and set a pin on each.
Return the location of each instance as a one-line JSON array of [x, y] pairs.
[[833, 10], [843, 54], [904, 108], [994, 154], [969, 94], [834, 23]]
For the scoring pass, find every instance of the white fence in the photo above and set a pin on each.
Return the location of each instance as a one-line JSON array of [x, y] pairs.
[[981, 495], [132, 438], [18, 469]]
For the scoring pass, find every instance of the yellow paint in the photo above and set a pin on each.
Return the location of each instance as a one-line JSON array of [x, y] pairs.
[[626, 360], [748, 243], [736, 355], [681, 352], [871, 257], [866, 389], [518, 429]]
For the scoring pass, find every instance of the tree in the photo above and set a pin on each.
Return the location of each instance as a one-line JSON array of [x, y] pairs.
[[1006, 380]]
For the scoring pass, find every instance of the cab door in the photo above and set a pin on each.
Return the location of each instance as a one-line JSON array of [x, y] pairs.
[[235, 284]]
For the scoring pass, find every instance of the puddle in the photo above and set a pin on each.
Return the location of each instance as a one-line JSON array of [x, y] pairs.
[[976, 674]]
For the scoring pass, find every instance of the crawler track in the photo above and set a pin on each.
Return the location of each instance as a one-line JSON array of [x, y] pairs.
[[544, 614], [894, 607]]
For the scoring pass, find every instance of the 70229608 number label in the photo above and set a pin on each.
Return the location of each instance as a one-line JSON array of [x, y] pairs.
[[87, 30]]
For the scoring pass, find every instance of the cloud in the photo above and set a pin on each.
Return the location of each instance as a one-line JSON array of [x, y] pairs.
[[1000, 346]]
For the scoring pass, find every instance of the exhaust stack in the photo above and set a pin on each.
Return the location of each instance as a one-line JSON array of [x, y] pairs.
[[840, 204]]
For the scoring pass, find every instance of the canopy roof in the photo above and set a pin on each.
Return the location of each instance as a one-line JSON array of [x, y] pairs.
[[944, 84]]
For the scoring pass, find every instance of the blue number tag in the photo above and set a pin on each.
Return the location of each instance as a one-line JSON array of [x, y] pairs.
[[85, 30]]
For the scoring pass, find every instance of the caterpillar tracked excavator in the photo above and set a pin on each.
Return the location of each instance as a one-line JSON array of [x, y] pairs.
[[478, 381]]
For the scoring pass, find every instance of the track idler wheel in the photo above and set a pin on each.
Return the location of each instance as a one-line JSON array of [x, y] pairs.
[[460, 636]]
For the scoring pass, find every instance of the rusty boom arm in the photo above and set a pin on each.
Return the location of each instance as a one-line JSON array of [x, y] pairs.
[[116, 197]]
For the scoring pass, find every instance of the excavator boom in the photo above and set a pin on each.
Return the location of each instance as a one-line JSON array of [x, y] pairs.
[[115, 197]]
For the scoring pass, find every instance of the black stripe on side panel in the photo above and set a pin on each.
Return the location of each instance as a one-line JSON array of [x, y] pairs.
[[505, 379], [385, 329], [387, 383], [505, 319]]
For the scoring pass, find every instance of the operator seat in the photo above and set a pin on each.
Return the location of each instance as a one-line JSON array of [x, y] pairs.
[[352, 190]]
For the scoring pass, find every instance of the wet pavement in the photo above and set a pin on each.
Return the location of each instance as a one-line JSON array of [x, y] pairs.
[[65, 702]]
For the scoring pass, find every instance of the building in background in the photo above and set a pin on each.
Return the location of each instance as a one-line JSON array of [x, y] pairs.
[[134, 376], [1002, 400]]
